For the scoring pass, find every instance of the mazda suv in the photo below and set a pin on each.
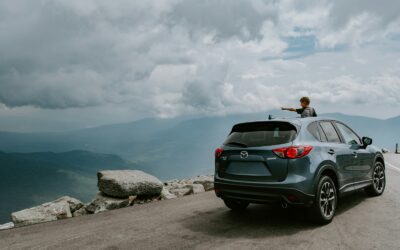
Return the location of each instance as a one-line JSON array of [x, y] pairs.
[[296, 161]]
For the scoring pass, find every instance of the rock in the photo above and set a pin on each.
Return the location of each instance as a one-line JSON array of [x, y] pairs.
[[208, 186], [166, 195], [124, 183], [8, 225], [61, 208], [171, 181], [46, 212], [103, 203], [80, 212], [198, 188], [74, 204], [174, 185], [181, 190], [206, 181], [132, 199], [186, 181]]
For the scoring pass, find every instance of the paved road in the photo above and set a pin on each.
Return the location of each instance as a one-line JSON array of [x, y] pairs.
[[202, 222]]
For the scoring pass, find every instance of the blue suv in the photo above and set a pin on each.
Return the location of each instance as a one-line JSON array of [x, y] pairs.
[[299, 161]]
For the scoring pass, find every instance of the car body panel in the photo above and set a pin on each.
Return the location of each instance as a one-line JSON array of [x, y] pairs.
[[260, 164]]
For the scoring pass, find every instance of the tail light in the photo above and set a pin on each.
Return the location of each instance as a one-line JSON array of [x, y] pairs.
[[293, 152], [218, 152]]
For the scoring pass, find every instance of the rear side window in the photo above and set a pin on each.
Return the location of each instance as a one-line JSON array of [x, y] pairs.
[[313, 129], [317, 132], [321, 132], [258, 134], [330, 132]]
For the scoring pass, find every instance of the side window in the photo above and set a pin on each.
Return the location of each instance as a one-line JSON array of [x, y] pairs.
[[348, 135], [323, 136], [330, 132], [313, 129]]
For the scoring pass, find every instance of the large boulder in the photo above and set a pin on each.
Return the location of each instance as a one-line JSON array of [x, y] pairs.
[[59, 209], [124, 183], [103, 203]]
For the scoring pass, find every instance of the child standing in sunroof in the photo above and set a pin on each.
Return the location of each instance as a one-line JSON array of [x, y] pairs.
[[305, 110]]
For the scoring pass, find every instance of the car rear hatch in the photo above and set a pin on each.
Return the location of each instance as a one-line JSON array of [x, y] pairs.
[[248, 151]]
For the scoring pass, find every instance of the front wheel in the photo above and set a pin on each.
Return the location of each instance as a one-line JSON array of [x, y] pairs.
[[236, 205], [379, 181], [324, 207]]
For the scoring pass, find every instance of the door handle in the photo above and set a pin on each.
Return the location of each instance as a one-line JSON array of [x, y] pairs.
[[331, 151]]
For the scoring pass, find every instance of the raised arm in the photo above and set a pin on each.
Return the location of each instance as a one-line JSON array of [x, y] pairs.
[[289, 109]]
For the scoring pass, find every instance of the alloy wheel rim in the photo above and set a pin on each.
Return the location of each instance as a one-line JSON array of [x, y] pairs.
[[379, 178], [327, 199]]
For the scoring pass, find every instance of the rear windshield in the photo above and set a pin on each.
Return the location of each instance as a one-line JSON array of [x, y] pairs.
[[258, 134]]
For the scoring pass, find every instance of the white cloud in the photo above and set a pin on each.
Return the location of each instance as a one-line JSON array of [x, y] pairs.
[[356, 32], [173, 57]]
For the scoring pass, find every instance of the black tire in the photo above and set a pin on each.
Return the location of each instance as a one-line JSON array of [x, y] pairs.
[[379, 180], [236, 205], [324, 208]]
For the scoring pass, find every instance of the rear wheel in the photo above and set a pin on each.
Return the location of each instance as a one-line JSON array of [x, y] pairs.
[[379, 181], [236, 205], [324, 207]]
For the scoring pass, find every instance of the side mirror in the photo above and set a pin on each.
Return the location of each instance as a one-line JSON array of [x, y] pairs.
[[366, 141]]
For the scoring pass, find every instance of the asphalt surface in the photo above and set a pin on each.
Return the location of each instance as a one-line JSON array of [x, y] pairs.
[[202, 222]]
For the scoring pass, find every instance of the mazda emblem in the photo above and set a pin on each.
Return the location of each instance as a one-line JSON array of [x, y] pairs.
[[244, 154]]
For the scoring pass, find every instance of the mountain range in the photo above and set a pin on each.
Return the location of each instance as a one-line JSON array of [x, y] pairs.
[[165, 147]]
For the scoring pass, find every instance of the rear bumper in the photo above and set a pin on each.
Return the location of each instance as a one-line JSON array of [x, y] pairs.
[[261, 193]]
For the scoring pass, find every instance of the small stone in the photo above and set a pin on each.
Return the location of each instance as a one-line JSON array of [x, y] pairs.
[[181, 191], [131, 199], [206, 181], [166, 195], [80, 212], [198, 188], [5, 226], [103, 203], [74, 204]]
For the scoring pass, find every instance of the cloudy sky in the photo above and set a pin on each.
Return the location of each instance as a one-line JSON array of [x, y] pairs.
[[67, 64]]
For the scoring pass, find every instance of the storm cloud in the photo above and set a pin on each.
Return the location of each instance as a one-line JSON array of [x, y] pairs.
[[177, 57]]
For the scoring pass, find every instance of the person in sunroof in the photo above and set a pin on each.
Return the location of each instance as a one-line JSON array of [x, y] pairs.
[[305, 110]]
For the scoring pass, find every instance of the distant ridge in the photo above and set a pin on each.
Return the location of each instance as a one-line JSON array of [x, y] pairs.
[[163, 146]]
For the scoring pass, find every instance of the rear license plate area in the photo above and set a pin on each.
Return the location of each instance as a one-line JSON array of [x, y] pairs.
[[248, 169]]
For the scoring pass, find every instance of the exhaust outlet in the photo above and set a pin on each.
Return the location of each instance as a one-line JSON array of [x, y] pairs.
[[284, 204]]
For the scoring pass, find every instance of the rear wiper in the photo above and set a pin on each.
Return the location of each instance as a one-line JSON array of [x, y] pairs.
[[236, 143]]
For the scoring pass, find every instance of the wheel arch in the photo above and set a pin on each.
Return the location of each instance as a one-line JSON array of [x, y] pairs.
[[329, 169], [379, 158]]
